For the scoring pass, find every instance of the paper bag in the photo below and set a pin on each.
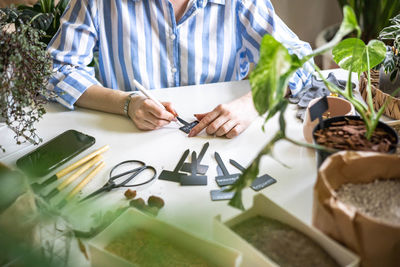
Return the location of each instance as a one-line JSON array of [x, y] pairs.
[[377, 242]]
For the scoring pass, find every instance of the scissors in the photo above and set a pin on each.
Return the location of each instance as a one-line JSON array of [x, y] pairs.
[[130, 174]]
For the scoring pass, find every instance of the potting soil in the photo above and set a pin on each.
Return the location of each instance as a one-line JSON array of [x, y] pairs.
[[282, 244], [350, 135], [148, 250], [379, 199]]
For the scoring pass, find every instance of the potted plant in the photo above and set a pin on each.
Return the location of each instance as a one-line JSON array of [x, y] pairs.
[[391, 64], [386, 79], [25, 68], [270, 79], [372, 17], [44, 15]]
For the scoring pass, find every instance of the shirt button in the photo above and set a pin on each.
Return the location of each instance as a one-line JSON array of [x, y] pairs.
[[174, 70], [173, 36]]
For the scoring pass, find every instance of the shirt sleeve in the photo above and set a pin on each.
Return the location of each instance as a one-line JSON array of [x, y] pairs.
[[257, 18], [72, 51]]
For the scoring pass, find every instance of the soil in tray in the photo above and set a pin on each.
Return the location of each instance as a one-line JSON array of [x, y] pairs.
[[350, 135], [146, 249], [379, 199], [282, 244]]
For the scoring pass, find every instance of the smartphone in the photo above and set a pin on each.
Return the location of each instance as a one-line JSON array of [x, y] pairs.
[[54, 153]]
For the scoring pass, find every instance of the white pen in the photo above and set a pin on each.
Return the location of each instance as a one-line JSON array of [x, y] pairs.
[[149, 95]]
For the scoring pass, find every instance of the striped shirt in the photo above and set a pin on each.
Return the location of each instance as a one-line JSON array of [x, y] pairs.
[[214, 41]]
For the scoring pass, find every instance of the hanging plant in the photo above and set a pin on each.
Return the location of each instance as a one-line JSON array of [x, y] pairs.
[[25, 68]]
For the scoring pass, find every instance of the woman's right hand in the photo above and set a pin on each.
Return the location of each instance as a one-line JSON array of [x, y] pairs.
[[147, 115]]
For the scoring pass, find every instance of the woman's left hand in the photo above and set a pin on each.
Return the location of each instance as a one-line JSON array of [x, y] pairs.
[[227, 120]]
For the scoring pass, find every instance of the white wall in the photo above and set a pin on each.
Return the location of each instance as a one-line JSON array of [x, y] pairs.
[[308, 17]]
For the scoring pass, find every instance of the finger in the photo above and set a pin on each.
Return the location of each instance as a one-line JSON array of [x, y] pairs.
[[200, 116], [238, 129], [157, 111], [210, 117], [226, 128], [169, 107], [213, 127]]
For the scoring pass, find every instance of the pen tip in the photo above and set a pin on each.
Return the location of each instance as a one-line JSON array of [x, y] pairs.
[[181, 120]]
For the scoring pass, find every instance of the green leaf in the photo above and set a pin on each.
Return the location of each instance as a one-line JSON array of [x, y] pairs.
[[349, 23], [266, 81], [393, 75], [389, 62], [236, 201], [62, 5], [390, 33], [352, 53]]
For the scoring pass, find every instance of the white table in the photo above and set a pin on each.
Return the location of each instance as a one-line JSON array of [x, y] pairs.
[[189, 207]]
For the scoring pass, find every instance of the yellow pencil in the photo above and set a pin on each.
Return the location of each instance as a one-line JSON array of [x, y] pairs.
[[86, 180]]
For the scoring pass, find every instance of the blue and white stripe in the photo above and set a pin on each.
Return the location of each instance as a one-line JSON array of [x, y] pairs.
[[214, 41]]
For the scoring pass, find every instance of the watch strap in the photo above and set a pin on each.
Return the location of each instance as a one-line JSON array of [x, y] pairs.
[[127, 102]]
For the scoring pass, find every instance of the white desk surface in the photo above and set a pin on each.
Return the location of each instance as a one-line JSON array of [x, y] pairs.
[[188, 207]]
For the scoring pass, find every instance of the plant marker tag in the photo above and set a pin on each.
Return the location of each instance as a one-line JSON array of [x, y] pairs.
[[318, 109], [260, 182], [186, 125], [201, 169], [175, 175], [225, 178], [219, 194], [193, 178]]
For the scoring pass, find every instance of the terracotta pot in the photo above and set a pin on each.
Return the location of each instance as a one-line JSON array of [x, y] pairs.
[[322, 154], [337, 107], [375, 240]]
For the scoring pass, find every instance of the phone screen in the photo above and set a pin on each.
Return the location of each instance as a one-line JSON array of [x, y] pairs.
[[54, 153]]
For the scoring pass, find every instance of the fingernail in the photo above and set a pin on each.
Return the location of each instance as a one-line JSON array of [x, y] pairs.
[[190, 134], [174, 119]]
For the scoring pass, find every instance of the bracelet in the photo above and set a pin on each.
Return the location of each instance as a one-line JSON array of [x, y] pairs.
[[127, 102]]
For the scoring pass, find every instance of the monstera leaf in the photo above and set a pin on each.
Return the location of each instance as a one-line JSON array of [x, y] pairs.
[[353, 54]]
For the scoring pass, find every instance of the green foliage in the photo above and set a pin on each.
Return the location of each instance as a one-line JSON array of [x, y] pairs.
[[391, 34], [372, 15], [39, 234], [274, 74], [271, 78], [352, 54], [44, 16], [25, 68]]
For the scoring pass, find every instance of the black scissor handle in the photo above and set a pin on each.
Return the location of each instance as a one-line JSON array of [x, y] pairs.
[[143, 183], [111, 177], [138, 169]]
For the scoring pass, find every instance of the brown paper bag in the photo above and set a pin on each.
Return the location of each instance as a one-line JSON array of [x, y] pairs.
[[377, 242]]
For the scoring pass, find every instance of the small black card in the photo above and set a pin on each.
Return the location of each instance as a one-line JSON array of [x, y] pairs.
[[319, 108], [194, 180], [219, 194], [188, 127], [227, 180], [171, 176], [262, 182]]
